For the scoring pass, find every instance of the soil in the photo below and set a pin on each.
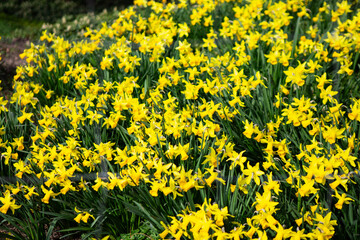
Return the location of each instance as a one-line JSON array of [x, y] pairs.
[[10, 51]]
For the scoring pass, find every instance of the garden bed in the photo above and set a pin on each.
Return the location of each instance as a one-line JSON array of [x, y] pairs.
[[189, 120]]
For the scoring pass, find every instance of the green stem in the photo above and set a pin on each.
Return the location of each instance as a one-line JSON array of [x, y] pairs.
[[296, 36]]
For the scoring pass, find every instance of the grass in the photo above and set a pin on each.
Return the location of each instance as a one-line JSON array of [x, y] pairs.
[[13, 27]]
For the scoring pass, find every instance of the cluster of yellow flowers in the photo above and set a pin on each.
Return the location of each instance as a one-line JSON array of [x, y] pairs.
[[177, 121]]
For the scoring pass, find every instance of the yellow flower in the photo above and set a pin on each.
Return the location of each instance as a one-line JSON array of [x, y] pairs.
[[264, 202], [191, 91], [312, 31], [3, 103], [93, 116], [82, 216], [325, 225], [183, 30], [193, 72], [98, 184], [307, 188], [157, 185], [48, 194], [19, 143], [296, 75], [281, 232], [8, 202], [342, 199], [253, 173], [213, 176], [21, 168], [249, 128], [25, 116], [238, 159], [332, 133], [209, 43], [30, 192], [270, 184], [49, 93], [293, 116], [343, 7], [172, 188], [327, 94], [355, 111], [7, 154], [67, 186]]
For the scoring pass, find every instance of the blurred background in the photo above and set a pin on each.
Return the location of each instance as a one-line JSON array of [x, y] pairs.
[[49, 11], [22, 22]]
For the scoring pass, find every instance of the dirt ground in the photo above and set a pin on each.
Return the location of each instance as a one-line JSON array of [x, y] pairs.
[[10, 51]]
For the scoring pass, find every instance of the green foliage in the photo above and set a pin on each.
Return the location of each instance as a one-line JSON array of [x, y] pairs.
[[49, 11], [13, 27], [74, 26], [189, 119]]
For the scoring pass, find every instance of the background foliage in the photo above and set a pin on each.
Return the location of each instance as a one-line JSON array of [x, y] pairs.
[[50, 11]]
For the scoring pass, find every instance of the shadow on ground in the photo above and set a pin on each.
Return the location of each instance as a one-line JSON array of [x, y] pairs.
[[10, 51]]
